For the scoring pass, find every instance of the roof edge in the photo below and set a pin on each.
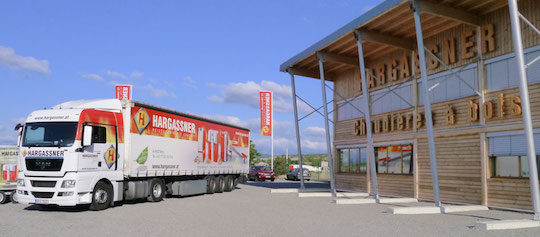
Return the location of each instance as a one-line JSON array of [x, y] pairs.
[[349, 27]]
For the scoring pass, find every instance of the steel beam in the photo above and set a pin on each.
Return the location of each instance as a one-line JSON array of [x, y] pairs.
[[327, 128], [525, 105], [377, 37], [298, 144], [427, 103], [367, 108], [330, 57], [305, 72], [446, 11]]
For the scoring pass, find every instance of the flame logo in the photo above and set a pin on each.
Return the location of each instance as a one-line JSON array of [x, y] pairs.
[[265, 130], [110, 156], [141, 119]]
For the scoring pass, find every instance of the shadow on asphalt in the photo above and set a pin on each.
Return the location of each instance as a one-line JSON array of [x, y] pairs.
[[290, 184], [82, 208]]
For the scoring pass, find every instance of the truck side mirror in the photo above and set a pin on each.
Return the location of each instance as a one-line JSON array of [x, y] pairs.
[[18, 126], [87, 136]]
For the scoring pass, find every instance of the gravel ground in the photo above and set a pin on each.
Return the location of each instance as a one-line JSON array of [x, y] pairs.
[[249, 210]]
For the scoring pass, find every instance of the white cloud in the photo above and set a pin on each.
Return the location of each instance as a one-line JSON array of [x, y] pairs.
[[314, 131], [157, 92], [248, 93], [7, 135], [92, 76], [212, 84], [116, 74], [189, 82], [136, 75], [9, 57]]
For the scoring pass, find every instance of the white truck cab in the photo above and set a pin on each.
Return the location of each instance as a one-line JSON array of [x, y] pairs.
[[56, 168]]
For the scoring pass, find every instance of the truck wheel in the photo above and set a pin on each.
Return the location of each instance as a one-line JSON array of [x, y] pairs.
[[212, 184], [3, 197], [101, 196], [220, 184], [157, 190], [235, 182], [229, 183], [13, 197]]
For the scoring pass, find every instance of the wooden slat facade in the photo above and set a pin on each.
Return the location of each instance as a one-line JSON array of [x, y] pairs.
[[458, 146]]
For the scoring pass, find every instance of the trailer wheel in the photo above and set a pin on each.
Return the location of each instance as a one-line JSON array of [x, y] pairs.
[[101, 196], [157, 190], [235, 182], [220, 184], [229, 183], [212, 184], [3, 197]]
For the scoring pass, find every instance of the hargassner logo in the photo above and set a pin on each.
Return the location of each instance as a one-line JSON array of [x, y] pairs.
[[141, 120], [38, 153]]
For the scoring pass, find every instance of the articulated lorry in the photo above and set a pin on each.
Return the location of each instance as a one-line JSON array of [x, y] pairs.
[[100, 152], [8, 169]]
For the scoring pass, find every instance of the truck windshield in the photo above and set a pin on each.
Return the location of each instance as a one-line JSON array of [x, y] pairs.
[[51, 134]]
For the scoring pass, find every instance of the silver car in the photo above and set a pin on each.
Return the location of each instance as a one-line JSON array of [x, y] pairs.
[[295, 174]]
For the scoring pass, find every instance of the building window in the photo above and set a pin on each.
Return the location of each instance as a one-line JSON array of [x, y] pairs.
[[511, 166], [352, 160], [394, 159], [508, 154]]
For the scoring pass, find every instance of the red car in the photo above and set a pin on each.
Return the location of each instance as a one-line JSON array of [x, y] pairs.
[[261, 173]]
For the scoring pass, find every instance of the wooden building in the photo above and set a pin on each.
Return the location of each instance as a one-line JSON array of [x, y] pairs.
[[480, 146]]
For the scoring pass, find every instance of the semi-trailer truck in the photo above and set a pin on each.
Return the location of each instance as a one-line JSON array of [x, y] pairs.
[[101, 152], [8, 169]]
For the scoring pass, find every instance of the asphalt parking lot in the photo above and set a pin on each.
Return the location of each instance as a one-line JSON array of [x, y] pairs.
[[248, 211]]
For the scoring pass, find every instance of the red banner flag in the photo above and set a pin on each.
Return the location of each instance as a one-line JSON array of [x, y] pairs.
[[123, 92], [266, 112]]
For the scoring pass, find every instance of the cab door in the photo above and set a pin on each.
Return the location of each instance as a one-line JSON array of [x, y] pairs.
[[102, 155]]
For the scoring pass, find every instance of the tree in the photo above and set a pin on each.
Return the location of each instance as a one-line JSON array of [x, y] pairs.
[[253, 153], [280, 165]]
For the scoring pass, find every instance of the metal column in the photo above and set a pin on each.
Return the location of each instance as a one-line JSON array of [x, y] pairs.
[[427, 103], [327, 127], [367, 109], [298, 145], [526, 108]]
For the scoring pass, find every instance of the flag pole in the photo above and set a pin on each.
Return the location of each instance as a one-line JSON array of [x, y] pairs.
[[272, 127]]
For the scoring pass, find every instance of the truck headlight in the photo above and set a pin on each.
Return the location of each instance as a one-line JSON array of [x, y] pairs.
[[68, 184], [20, 182]]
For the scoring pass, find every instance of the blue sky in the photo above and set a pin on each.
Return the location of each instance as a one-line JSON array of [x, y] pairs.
[[204, 57]]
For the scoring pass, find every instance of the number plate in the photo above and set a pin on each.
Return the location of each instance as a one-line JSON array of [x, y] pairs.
[[41, 201], [268, 176]]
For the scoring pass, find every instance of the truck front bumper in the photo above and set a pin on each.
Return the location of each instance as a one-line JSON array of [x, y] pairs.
[[49, 191]]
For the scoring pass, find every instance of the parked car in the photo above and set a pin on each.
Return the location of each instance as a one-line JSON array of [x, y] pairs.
[[261, 173], [295, 174]]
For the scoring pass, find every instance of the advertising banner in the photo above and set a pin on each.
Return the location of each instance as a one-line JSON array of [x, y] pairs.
[[123, 92], [8, 165], [165, 142], [266, 112]]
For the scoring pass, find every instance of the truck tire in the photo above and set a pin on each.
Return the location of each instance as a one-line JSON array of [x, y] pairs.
[[101, 196], [229, 183], [3, 197], [157, 190], [13, 197], [236, 181], [212, 184], [220, 184]]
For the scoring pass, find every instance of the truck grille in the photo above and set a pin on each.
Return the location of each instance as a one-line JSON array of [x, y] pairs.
[[43, 184], [43, 194], [44, 164]]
